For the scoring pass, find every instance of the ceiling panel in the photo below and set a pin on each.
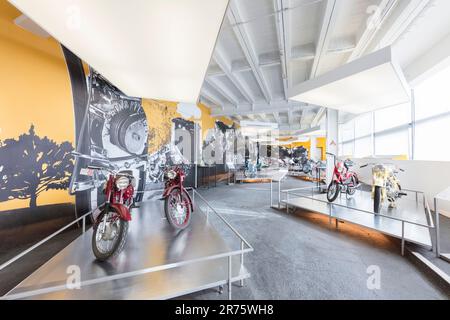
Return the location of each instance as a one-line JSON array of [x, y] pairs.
[[155, 49]]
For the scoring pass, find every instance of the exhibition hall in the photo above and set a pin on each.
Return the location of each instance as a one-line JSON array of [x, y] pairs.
[[196, 150]]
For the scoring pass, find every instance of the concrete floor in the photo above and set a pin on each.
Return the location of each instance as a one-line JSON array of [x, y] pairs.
[[299, 256]]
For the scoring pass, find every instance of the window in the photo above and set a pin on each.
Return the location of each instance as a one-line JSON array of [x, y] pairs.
[[363, 135], [432, 118], [392, 131]]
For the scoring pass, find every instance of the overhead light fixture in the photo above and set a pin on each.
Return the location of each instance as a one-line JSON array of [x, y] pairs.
[[155, 49], [366, 84]]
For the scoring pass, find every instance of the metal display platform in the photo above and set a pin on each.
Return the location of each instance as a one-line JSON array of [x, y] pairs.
[[156, 263], [410, 221]]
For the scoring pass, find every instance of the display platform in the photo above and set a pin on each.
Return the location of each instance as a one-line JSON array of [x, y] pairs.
[[180, 263], [409, 221]]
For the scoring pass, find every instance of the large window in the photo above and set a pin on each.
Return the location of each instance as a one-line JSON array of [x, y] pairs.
[[381, 133], [419, 130], [432, 118], [392, 131]]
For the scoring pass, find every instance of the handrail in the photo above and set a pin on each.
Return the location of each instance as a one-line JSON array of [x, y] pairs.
[[362, 210], [20, 255], [125, 275], [223, 219]]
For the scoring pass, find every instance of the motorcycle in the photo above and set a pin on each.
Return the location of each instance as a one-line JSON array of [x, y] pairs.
[[343, 179], [177, 202], [110, 227], [385, 185]]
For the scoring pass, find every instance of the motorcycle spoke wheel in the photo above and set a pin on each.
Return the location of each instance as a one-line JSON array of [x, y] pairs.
[[179, 209], [106, 239]]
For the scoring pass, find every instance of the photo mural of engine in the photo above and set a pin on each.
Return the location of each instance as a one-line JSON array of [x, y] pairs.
[[117, 133]]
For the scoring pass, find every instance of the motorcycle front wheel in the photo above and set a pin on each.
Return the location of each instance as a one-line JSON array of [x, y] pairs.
[[177, 208], [351, 189], [377, 199], [109, 235], [332, 191]]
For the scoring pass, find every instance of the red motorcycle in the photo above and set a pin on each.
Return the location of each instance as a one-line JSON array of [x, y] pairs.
[[343, 179], [111, 219], [177, 202]]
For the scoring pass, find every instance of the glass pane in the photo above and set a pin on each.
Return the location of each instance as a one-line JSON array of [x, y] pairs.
[[392, 144], [363, 147], [392, 117], [432, 140], [432, 96], [347, 131], [363, 125], [347, 149]]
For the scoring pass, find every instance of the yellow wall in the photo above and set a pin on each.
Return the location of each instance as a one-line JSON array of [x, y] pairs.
[[35, 89], [320, 143]]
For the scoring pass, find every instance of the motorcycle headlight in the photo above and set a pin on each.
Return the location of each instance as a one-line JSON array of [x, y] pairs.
[[171, 174], [340, 169], [122, 182]]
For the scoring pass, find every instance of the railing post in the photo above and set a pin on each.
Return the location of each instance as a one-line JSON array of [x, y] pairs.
[[436, 228], [403, 238], [331, 207], [279, 194], [229, 277], [193, 197], [287, 201], [84, 224], [241, 282], [271, 201]]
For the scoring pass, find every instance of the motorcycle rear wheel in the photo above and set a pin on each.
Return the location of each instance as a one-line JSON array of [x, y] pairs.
[[119, 240], [170, 201]]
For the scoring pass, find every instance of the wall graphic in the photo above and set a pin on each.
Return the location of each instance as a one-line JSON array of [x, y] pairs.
[[31, 165], [46, 115]]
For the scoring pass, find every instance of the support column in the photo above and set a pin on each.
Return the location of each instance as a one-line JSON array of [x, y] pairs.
[[332, 140], [313, 148]]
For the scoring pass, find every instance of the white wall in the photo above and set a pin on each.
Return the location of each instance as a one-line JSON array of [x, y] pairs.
[[430, 177]]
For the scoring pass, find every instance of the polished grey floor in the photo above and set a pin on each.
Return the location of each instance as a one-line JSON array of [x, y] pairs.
[[300, 256], [151, 243]]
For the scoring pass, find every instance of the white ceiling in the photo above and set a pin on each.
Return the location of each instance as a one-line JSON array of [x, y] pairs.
[[152, 49], [266, 47]]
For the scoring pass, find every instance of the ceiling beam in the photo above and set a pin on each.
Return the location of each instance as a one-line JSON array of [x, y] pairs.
[[370, 30], [212, 97], [290, 117], [276, 116], [248, 48], [323, 41], [281, 106], [399, 22], [223, 91], [319, 115], [282, 24], [226, 68]]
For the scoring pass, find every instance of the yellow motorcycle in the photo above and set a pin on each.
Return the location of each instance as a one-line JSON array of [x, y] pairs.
[[385, 185]]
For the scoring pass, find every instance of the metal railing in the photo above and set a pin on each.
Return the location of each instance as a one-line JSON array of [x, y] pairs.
[[245, 247], [23, 253], [430, 225]]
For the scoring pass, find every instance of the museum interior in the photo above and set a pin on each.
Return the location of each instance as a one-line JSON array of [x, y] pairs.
[[226, 149]]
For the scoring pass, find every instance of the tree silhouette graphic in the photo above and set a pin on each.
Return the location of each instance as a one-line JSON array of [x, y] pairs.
[[32, 165]]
